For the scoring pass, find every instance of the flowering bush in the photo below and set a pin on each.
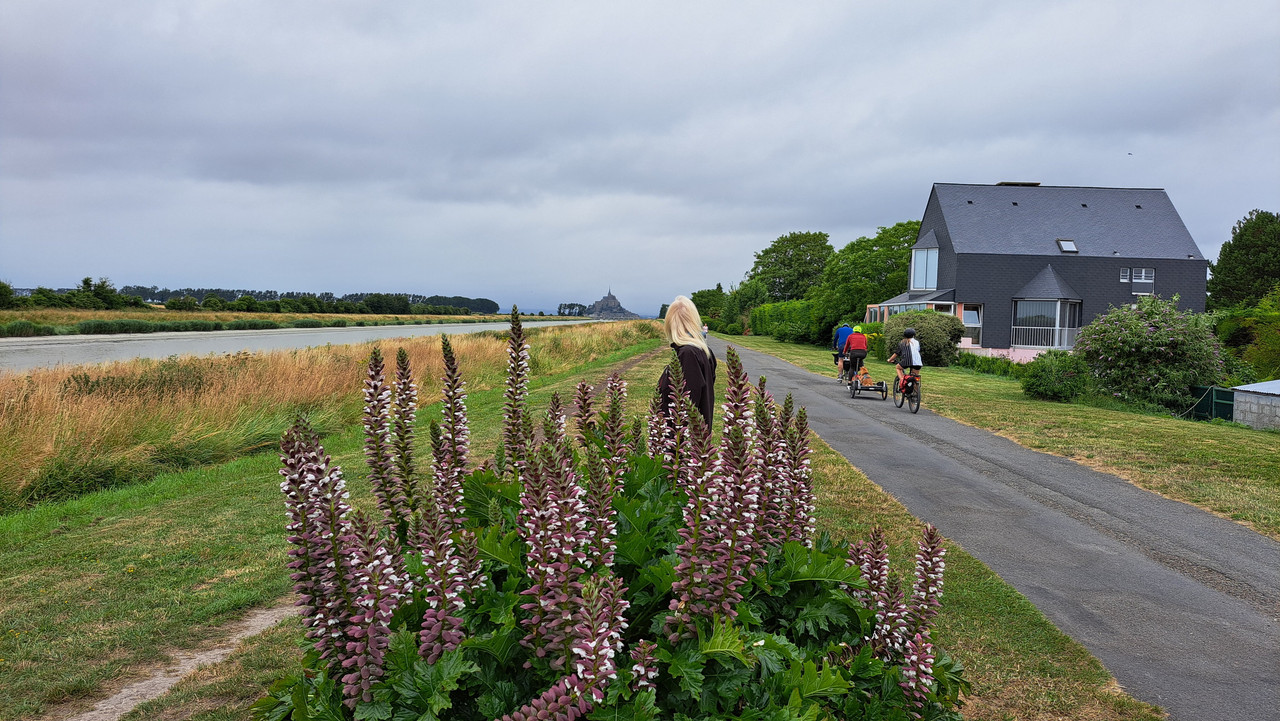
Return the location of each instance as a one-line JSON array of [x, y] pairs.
[[1153, 353], [600, 574], [1055, 375]]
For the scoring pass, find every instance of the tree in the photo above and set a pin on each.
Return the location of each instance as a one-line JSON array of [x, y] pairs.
[[791, 265], [710, 302], [1248, 264], [662, 312], [866, 271], [7, 297], [571, 309], [741, 299]]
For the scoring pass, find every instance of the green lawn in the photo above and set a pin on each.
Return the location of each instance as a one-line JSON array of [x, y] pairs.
[[94, 589], [1228, 470]]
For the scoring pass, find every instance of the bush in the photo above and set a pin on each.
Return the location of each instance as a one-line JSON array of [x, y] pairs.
[[252, 324], [991, 365], [337, 323], [939, 335], [789, 321], [186, 302], [733, 329], [1055, 375], [874, 331], [308, 323], [1151, 354], [585, 576], [25, 329]]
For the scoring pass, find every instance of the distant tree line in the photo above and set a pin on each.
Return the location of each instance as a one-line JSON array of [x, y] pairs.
[[572, 309], [102, 295]]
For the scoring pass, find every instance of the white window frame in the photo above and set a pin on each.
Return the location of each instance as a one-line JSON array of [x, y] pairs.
[[1124, 275], [929, 271], [972, 331], [1144, 275]]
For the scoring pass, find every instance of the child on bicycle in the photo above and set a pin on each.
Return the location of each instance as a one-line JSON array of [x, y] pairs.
[[907, 356]]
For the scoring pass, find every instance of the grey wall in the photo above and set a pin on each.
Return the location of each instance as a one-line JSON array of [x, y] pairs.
[[993, 280]]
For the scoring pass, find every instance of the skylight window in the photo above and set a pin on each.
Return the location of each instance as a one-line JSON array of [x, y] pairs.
[[1067, 246]]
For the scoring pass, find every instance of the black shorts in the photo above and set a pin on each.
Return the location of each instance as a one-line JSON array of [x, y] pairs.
[[914, 368], [858, 353]]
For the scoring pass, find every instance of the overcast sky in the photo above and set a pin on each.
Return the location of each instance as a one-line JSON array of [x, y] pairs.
[[539, 153]]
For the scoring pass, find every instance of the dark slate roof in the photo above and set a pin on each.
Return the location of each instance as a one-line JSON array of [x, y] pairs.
[[926, 296], [1028, 220], [928, 241], [1048, 284]]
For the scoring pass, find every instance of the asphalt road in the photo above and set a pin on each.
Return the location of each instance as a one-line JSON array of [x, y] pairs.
[[1181, 606], [22, 354]]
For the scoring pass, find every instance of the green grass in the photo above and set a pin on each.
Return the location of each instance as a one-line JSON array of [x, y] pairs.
[[92, 587], [1229, 470], [217, 547]]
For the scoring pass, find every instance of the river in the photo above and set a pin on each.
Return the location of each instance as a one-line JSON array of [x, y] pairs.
[[23, 354]]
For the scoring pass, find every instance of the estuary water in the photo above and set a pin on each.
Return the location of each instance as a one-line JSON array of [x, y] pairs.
[[23, 354]]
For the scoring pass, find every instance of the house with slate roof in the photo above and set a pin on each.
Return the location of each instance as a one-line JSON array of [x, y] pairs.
[[1024, 266]]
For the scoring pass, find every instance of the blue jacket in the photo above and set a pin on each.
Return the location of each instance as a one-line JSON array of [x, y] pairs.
[[842, 334]]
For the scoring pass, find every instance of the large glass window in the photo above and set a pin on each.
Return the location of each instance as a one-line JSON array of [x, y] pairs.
[[1144, 275], [924, 269], [972, 317], [1046, 323]]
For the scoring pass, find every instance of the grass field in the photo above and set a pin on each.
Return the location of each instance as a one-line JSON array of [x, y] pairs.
[[94, 590], [1228, 470], [67, 430]]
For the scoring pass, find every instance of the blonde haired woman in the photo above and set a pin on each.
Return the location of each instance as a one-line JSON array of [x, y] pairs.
[[683, 329]]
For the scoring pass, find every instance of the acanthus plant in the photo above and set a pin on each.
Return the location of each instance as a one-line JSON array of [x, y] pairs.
[[577, 575]]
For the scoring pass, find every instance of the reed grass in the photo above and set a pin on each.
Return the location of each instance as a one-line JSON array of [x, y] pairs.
[[68, 430]]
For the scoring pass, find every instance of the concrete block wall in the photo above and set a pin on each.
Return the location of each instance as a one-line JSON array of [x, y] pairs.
[[1257, 410]]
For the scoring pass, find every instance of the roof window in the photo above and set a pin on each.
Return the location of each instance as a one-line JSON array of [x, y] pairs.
[[1084, 205], [1067, 245], [1015, 202], [970, 202], [1139, 207]]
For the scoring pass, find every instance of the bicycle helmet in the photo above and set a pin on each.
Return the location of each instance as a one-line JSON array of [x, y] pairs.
[[909, 333], [857, 329]]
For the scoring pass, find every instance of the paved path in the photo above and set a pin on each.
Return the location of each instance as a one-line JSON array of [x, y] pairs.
[[1181, 606]]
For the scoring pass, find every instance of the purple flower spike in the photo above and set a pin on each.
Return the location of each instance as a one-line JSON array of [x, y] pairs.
[[403, 412], [883, 594], [378, 447], [376, 579], [917, 672], [451, 443], [613, 425], [517, 435], [443, 587], [926, 592], [645, 669], [582, 413]]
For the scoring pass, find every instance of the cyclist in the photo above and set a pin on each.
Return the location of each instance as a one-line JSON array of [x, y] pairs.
[[855, 349], [837, 346], [908, 355]]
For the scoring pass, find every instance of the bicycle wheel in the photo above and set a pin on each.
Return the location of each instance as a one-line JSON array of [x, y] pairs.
[[898, 398], [884, 391], [914, 401]]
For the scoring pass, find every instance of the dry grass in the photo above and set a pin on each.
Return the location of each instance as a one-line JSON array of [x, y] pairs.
[[69, 429]]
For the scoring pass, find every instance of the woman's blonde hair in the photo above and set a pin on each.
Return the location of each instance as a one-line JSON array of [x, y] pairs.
[[683, 325]]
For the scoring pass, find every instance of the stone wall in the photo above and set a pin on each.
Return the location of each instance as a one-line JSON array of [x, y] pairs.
[[1257, 410]]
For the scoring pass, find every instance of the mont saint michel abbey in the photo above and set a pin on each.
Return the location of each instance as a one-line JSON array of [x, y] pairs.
[[608, 308]]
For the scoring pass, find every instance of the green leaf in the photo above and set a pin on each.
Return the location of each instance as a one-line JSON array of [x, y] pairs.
[[805, 564], [686, 665], [373, 711], [774, 652], [816, 618], [642, 707], [813, 682], [502, 645], [725, 642], [505, 549]]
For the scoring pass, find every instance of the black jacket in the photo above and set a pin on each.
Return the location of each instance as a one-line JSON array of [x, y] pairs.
[[699, 379]]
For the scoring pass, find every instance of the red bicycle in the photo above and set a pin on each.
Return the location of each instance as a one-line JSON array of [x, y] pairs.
[[908, 391]]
